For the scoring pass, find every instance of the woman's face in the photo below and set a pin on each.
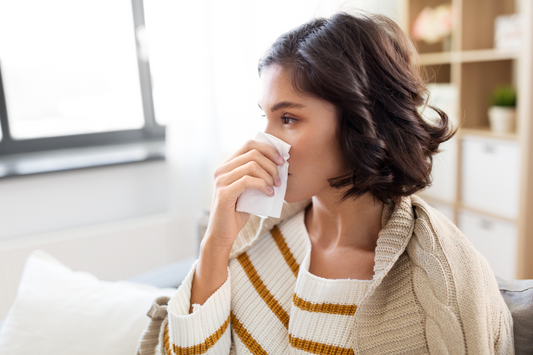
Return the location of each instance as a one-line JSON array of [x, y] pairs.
[[309, 125]]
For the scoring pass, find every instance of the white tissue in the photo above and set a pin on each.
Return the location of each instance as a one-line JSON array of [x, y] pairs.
[[257, 202]]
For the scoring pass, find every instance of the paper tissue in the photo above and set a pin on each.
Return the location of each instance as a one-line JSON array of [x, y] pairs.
[[255, 201]]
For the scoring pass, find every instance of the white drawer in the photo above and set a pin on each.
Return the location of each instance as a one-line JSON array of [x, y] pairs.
[[495, 239], [491, 175], [444, 173]]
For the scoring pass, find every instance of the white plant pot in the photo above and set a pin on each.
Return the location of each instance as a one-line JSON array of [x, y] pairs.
[[502, 119]]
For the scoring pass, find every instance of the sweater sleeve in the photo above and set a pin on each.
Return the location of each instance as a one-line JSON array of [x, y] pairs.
[[504, 342], [206, 330]]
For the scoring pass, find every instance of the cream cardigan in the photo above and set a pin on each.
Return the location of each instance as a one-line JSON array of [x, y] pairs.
[[432, 292]]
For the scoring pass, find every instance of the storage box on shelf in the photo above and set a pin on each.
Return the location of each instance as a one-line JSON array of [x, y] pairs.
[[483, 181], [490, 175], [494, 238]]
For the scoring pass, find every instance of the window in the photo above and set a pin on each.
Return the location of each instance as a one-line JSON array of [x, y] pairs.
[[74, 74]]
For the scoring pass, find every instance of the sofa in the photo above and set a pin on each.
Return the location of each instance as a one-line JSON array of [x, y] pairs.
[[518, 295]]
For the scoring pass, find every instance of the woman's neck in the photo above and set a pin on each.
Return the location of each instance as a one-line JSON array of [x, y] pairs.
[[351, 224]]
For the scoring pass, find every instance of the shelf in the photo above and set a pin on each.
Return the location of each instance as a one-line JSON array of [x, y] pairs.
[[464, 207], [430, 199], [461, 206], [486, 132], [435, 58], [479, 55], [476, 68], [486, 55]]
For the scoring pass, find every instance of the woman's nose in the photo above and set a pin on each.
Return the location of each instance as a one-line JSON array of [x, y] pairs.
[[275, 129], [270, 129]]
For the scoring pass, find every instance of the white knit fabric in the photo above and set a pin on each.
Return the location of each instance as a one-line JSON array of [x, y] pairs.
[[184, 328], [431, 293], [325, 328]]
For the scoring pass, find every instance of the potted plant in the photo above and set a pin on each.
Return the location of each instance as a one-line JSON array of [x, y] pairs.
[[502, 113]]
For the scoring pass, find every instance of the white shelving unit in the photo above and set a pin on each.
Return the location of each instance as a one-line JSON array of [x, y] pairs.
[[483, 181]]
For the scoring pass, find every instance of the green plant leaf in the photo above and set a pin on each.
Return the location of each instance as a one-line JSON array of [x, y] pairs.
[[504, 96]]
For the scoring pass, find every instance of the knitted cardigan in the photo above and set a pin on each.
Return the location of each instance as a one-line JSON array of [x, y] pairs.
[[431, 292]]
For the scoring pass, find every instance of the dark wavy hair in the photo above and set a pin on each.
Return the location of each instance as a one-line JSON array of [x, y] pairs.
[[368, 68]]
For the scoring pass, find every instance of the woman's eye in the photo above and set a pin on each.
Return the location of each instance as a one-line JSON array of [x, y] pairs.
[[288, 120]]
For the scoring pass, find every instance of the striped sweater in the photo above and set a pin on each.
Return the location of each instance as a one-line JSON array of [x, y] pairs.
[[431, 293]]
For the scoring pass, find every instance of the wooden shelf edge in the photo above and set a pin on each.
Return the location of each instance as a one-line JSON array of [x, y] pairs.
[[436, 200], [435, 58], [485, 55], [486, 132], [461, 206], [471, 56]]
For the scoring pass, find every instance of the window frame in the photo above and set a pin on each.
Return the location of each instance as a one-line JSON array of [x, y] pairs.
[[151, 131]]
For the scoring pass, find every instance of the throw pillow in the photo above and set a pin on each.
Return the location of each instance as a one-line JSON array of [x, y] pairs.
[[59, 311]]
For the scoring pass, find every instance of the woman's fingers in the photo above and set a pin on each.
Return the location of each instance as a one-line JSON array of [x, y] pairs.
[[267, 150], [257, 164], [235, 189], [252, 169]]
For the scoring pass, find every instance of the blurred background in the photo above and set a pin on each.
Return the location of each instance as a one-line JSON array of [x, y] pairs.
[[115, 114]]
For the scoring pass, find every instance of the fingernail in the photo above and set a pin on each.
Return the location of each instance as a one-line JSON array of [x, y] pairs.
[[271, 190], [278, 181], [280, 159]]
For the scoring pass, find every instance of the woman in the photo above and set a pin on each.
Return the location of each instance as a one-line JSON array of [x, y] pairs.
[[356, 263]]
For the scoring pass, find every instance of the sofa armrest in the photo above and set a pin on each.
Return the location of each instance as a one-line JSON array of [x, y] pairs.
[[170, 275]]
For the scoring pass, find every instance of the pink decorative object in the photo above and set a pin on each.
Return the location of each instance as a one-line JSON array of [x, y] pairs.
[[433, 24]]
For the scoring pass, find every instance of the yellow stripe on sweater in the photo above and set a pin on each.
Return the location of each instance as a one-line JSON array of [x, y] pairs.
[[318, 348], [262, 290], [206, 345], [330, 308], [246, 337], [166, 340], [285, 250]]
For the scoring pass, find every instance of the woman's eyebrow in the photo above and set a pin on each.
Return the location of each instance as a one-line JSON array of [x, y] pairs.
[[283, 104]]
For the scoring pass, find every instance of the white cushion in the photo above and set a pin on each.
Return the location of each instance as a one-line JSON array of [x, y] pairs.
[[59, 311]]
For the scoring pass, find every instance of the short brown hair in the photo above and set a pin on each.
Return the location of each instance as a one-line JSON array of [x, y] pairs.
[[368, 68]]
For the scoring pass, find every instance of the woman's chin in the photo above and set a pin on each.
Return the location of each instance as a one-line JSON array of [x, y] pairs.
[[288, 200], [293, 198], [288, 197]]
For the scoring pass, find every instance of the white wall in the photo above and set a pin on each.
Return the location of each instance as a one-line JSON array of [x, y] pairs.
[[56, 201]]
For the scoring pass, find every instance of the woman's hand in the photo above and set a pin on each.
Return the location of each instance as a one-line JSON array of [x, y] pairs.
[[253, 166]]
